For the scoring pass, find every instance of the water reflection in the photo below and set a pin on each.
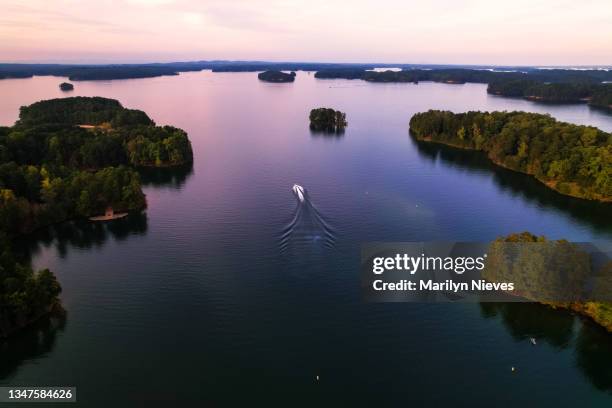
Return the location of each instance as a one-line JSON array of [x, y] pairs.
[[592, 344], [33, 342], [174, 177], [326, 134], [82, 234], [596, 215], [525, 320], [594, 356]]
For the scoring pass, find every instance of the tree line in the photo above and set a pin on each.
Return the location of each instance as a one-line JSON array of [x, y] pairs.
[[551, 86]]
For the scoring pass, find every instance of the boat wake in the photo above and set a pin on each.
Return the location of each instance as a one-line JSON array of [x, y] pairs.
[[308, 229]]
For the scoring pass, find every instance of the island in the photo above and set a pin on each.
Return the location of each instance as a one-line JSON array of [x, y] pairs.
[[66, 86], [571, 159], [276, 76], [327, 120], [65, 159], [555, 273]]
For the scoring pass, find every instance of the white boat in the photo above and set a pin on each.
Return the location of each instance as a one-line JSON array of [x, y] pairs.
[[299, 192], [533, 341]]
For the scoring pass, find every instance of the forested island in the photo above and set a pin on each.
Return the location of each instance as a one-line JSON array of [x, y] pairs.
[[276, 76], [552, 272], [571, 159], [65, 86], [327, 120], [64, 159]]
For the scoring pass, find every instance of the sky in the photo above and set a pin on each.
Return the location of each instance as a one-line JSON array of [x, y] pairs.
[[511, 32]]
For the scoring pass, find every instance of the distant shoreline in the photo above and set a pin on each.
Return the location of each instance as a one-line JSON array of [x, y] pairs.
[[592, 85]]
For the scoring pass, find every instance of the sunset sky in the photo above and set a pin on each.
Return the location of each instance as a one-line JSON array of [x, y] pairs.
[[518, 32]]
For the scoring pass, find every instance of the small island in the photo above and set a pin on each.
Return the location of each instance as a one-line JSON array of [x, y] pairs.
[[66, 86], [276, 76], [327, 120], [64, 159], [571, 159]]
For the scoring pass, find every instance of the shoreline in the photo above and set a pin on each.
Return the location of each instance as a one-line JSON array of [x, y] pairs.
[[551, 184], [54, 309]]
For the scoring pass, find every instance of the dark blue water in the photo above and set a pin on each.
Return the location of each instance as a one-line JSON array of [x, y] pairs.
[[228, 289]]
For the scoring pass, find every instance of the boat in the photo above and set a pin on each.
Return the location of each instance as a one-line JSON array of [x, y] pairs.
[[109, 214], [533, 341], [299, 192]]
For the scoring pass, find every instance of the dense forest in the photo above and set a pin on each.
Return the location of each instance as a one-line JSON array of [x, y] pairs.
[[68, 158], [556, 273], [574, 160], [276, 76], [327, 120], [602, 97]]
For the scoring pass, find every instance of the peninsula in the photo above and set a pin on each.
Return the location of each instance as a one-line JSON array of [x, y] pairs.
[[64, 159], [571, 159]]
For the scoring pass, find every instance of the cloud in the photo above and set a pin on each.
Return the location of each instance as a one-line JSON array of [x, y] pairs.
[[468, 31]]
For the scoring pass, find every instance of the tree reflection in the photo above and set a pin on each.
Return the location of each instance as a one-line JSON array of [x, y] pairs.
[[594, 356], [81, 234], [525, 320], [35, 341], [592, 345], [327, 134], [172, 177], [596, 215]]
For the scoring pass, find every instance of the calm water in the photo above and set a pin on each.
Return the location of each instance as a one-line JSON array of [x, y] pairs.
[[226, 289]]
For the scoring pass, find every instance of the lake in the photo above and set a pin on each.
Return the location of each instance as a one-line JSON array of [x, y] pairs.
[[226, 290]]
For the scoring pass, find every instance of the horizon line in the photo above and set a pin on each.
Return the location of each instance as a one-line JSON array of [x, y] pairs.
[[382, 64]]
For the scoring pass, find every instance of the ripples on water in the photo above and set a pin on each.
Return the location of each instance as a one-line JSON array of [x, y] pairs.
[[308, 230]]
